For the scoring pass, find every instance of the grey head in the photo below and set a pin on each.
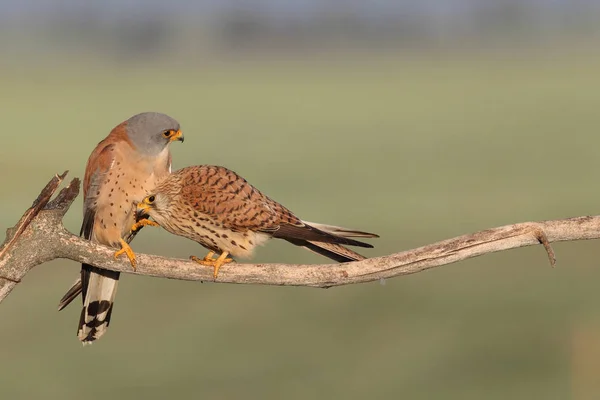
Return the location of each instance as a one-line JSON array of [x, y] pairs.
[[151, 132]]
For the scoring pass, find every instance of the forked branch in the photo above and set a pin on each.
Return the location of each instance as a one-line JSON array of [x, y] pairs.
[[40, 237]]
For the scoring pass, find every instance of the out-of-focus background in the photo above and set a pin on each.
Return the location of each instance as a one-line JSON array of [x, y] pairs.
[[416, 120]]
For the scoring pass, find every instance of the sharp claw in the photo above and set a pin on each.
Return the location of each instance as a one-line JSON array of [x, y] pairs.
[[209, 261], [141, 223], [126, 249]]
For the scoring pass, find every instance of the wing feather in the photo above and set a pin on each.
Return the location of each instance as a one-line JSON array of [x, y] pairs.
[[229, 199]]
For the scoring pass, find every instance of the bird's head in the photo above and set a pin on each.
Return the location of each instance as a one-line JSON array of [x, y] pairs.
[[154, 205], [146, 207], [151, 132]]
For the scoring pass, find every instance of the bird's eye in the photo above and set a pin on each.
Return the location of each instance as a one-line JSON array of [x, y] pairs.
[[167, 134], [151, 199]]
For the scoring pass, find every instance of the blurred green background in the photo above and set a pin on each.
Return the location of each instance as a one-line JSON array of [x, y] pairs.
[[416, 145]]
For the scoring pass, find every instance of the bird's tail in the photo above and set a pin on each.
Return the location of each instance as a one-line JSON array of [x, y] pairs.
[[341, 232], [332, 250], [335, 251], [71, 294], [99, 287]]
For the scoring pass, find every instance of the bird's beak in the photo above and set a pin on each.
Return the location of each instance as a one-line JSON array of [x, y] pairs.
[[142, 209], [177, 136]]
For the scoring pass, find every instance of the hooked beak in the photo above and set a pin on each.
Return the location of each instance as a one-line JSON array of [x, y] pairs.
[[177, 136], [142, 209]]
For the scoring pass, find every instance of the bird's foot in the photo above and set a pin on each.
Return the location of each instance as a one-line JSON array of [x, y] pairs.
[[125, 249], [141, 223], [216, 263]]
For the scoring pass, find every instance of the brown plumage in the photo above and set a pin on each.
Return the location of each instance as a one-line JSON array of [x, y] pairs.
[[121, 170], [224, 213]]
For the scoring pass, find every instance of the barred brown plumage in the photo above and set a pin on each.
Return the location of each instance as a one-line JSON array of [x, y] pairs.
[[219, 209]]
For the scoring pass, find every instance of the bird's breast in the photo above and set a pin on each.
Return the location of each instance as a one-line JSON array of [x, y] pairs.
[[211, 234], [123, 187]]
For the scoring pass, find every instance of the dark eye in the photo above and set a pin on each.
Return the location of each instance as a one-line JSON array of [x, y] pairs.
[[167, 133], [151, 199]]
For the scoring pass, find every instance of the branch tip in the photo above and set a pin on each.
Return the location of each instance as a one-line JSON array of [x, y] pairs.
[[61, 177], [543, 239], [65, 197], [39, 203]]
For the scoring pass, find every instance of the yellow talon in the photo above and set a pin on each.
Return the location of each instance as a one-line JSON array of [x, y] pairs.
[[209, 261], [125, 249], [141, 223]]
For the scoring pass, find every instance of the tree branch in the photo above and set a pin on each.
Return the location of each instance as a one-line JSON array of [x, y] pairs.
[[40, 236]]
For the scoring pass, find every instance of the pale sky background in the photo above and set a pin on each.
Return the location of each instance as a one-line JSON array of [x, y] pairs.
[[12, 7]]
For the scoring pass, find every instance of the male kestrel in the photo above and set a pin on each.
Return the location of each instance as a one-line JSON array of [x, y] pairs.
[[220, 210], [121, 170]]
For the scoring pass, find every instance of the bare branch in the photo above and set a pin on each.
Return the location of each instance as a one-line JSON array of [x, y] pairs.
[[39, 203], [40, 236]]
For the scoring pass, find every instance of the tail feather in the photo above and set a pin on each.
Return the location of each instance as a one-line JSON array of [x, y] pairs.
[[334, 251], [331, 249], [342, 232], [99, 289], [71, 294]]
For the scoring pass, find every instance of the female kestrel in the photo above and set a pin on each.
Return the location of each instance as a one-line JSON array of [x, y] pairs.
[[220, 210], [121, 170]]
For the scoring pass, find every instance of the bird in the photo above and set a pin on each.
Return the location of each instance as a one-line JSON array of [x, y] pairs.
[[120, 171], [220, 210]]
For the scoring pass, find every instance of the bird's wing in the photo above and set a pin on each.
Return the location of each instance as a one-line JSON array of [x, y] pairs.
[[99, 163], [230, 200]]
